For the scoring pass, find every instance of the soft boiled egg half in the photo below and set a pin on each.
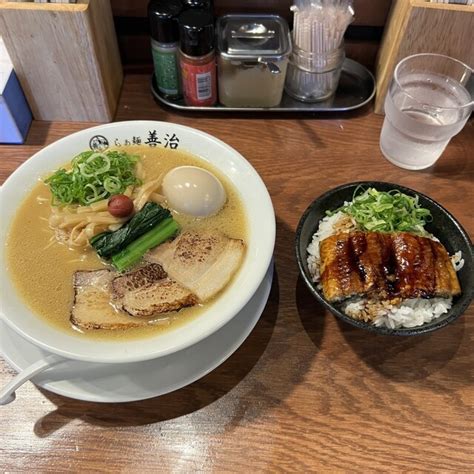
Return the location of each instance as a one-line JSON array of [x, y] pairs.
[[194, 191]]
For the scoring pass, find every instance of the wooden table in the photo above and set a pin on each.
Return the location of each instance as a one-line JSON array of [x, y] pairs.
[[304, 392]]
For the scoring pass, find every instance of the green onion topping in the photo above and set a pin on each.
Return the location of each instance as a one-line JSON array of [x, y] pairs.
[[93, 176], [379, 211]]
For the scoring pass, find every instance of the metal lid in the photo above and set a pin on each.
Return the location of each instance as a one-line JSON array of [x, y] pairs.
[[253, 36]]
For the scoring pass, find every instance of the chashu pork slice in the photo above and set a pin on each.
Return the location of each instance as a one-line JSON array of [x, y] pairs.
[[104, 299], [92, 307], [148, 291], [203, 262]]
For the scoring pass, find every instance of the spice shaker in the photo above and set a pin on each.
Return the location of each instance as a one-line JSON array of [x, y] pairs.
[[252, 57], [164, 31], [197, 57]]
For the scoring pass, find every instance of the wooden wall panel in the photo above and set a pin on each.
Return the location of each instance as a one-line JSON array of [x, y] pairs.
[[361, 41], [66, 58], [368, 12]]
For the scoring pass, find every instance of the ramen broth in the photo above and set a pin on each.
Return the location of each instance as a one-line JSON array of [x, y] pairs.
[[42, 269]]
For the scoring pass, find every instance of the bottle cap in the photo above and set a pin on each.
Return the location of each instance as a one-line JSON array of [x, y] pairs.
[[196, 28], [163, 18], [204, 4]]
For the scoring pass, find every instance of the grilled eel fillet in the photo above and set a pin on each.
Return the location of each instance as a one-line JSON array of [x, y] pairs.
[[385, 266]]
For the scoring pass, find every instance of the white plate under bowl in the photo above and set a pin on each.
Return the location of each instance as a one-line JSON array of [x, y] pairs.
[[260, 241], [114, 383]]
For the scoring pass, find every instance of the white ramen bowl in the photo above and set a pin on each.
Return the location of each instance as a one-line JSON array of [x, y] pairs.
[[260, 243]]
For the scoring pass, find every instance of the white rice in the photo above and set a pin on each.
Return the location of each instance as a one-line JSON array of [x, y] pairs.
[[393, 314], [407, 314]]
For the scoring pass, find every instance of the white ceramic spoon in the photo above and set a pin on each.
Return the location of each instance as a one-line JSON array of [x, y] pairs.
[[7, 394]]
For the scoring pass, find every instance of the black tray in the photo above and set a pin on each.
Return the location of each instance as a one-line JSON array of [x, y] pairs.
[[356, 88]]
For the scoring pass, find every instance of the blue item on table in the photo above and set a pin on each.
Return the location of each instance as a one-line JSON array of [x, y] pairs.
[[15, 114]]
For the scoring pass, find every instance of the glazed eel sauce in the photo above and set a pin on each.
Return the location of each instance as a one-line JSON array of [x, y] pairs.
[[391, 265]]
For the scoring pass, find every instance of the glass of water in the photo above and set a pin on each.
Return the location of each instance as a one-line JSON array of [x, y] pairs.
[[428, 102]]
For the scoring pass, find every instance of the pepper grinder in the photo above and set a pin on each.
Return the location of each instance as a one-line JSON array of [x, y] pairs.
[[163, 18]]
